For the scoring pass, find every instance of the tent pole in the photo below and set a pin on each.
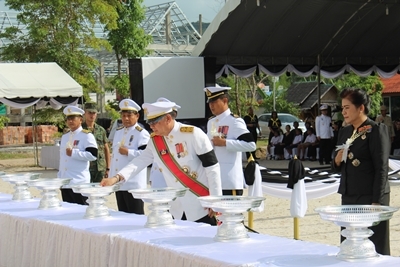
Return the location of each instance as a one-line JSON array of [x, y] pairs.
[[34, 132], [319, 83], [296, 228]]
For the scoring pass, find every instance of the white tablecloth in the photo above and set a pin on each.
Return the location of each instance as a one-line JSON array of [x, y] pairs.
[[61, 237], [50, 157]]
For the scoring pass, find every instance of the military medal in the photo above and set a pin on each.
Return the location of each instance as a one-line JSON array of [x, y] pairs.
[[130, 139], [163, 152], [351, 155], [76, 142], [356, 163], [180, 151]]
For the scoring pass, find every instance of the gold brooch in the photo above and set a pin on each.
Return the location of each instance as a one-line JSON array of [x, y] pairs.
[[350, 155], [356, 163]]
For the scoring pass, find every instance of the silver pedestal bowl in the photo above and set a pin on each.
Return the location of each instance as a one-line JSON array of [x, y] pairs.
[[230, 211], [356, 219], [96, 198], [49, 187], [20, 180], [159, 199]]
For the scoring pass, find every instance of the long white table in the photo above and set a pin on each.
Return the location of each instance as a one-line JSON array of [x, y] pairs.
[[61, 237]]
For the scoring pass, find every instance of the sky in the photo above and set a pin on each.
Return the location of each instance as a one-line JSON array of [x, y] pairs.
[[191, 8]]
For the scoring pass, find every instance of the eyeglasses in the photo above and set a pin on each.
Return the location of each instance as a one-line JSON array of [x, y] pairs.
[[154, 122]]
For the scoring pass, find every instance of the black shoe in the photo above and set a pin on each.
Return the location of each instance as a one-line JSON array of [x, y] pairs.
[[256, 158], [328, 163]]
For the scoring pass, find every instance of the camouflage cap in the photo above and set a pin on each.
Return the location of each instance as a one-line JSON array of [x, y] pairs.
[[91, 107]]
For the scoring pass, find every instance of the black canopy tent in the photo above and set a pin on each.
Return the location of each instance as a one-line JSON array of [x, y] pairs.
[[323, 37]]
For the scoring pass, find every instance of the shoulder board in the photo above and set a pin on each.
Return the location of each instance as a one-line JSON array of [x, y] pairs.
[[119, 128], [212, 117], [138, 128], [186, 129], [67, 131], [152, 135], [86, 131], [234, 115]]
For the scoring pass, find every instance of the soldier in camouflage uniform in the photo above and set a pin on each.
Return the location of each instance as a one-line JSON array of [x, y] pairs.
[[100, 167]]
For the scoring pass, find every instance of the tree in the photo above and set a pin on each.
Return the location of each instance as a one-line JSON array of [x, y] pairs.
[[128, 40], [372, 85], [3, 121], [60, 31]]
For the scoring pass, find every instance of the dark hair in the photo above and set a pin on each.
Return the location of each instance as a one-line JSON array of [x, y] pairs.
[[274, 112], [357, 97]]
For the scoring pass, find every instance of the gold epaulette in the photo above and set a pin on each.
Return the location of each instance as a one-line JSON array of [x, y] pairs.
[[234, 115], [212, 117], [138, 128], [86, 131], [119, 128], [187, 129], [152, 135]]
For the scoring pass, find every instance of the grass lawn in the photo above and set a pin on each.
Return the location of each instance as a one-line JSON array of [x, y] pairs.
[[6, 155], [262, 143]]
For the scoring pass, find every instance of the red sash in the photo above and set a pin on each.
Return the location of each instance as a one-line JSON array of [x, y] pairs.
[[195, 186]]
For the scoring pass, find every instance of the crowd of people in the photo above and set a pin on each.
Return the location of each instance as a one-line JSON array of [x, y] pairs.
[[293, 142], [181, 155], [184, 156]]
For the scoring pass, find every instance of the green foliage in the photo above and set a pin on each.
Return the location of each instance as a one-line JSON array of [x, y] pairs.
[[111, 109], [245, 93], [121, 84], [3, 121], [281, 104], [62, 32], [49, 116], [128, 40], [371, 84]]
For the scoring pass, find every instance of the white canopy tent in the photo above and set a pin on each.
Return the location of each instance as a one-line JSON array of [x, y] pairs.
[[37, 84], [26, 84]]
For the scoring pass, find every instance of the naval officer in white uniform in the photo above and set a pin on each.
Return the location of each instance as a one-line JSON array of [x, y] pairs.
[[130, 140], [186, 157], [156, 177], [77, 148], [230, 137]]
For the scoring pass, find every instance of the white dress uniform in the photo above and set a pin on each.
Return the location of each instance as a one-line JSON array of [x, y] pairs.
[[132, 138], [323, 127], [76, 166], [230, 156], [191, 149], [231, 128]]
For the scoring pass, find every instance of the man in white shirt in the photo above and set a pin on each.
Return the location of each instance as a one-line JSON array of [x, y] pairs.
[[130, 140], [185, 156], [383, 118], [77, 148], [230, 137], [324, 135]]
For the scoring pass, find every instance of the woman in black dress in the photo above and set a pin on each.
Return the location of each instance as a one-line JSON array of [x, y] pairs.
[[363, 161]]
